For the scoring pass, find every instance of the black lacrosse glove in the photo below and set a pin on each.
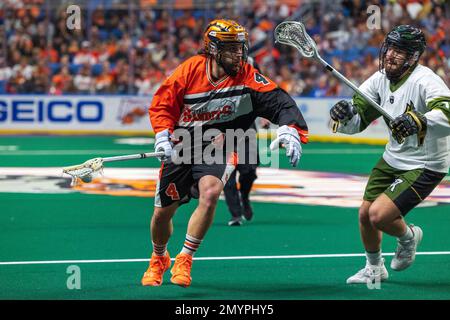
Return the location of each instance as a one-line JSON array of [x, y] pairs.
[[407, 124], [343, 111]]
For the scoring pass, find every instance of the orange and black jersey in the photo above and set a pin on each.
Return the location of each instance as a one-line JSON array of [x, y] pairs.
[[190, 98]]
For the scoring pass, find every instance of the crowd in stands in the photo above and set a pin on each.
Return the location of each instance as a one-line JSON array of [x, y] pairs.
[[130, 47]]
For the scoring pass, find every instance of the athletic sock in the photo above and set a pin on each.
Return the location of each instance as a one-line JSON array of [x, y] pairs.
[[409, 235], [159, 249], [191, 245], [374, 258]]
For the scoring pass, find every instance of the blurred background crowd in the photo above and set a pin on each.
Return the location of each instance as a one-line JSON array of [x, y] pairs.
[[129, 47]]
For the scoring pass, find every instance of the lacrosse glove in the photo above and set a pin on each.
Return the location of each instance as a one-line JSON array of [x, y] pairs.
[[289, 138], [163, 144], [343, 111], [407, 124]]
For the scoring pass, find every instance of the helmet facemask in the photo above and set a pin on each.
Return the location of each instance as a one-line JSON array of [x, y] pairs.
[[399, 61], [231, 56], [227, 42], [401, 51]]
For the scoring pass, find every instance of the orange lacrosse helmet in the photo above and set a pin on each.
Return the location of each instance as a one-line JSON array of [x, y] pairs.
[[220, 32]]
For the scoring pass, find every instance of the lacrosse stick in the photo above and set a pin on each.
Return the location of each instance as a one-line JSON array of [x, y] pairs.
[[293, 33], [88, 169]]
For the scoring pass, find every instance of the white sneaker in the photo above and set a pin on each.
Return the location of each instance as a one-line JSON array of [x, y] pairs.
[[235, 222], [370, 273], [406, 250]]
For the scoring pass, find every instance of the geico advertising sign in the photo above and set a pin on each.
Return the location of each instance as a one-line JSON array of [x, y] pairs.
[[93, 113], [129, 113]]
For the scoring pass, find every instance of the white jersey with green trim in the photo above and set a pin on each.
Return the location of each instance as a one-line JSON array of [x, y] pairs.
[[422, 91]]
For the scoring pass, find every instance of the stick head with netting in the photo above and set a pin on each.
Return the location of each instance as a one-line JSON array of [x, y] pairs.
[[91, 168], [293, 33], [85, 171]]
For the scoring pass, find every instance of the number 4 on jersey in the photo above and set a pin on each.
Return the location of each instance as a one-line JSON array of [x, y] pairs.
[[260, 79], [172, 191]]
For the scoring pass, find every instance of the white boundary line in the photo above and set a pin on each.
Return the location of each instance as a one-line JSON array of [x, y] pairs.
[[304, 256]]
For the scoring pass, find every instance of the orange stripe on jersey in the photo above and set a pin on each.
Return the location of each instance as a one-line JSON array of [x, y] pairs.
[[304, 137], [161, 170], [233, 159]]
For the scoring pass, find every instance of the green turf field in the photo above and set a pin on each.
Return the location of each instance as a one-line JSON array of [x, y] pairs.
[[288, 251]]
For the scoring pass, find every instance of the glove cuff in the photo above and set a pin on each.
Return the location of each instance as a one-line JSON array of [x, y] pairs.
[[163, 135], [303, 134], [419, 119], [421, 122]]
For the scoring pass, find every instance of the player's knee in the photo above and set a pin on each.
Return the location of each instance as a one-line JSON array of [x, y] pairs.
[[364, 218], [209, 196], [376, 217], [161, 215]]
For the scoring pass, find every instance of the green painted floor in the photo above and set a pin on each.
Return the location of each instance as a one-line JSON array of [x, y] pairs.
[[54, 227]]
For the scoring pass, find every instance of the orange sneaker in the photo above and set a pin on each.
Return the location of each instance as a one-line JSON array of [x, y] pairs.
[[154, 274], [181, 270]]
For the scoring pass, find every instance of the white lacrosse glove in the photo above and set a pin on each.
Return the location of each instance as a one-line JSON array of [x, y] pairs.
[[289, 138], [163, 144]]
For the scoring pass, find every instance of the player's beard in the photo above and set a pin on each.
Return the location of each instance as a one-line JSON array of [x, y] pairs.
[[231, 68], [394, 68]]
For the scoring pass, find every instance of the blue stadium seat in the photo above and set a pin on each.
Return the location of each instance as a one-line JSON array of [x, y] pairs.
[[2, 86], [96, 69], [104, 35], [446, 49], [373, 51], [9, 33], [176, 14], [351, 55], [54, 67], [74, 68], [108, 4], [336, 53], [117, 33], [197, 14]]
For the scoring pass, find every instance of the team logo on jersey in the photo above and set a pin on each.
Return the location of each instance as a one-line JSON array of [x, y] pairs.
[[260, 79], [396, 182], [224, 112], [230, 106], [391, 99]]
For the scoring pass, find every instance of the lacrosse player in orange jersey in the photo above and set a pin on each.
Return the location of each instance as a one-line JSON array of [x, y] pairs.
[[216, 89]]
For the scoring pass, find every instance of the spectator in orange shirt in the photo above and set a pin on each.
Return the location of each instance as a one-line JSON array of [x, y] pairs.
[[85, 55], [62, 82], [104, 82]]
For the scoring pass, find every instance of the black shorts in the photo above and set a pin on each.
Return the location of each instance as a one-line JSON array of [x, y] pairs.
[[175, 180], [405, 188]]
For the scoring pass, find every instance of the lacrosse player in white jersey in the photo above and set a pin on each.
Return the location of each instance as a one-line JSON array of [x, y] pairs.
[[417, 156]]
